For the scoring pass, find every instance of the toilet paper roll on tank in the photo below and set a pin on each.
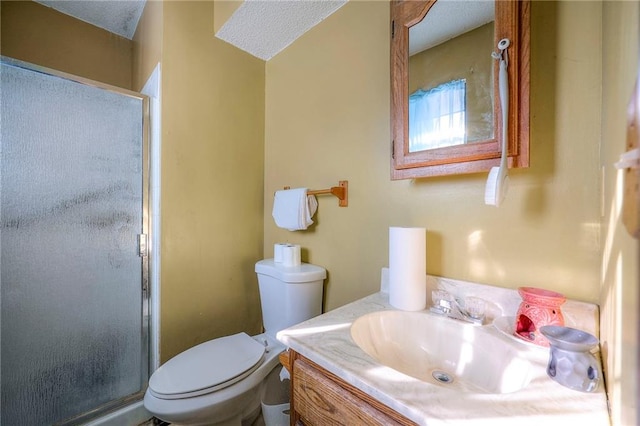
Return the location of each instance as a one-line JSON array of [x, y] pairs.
[[287, 254], [408, 268]]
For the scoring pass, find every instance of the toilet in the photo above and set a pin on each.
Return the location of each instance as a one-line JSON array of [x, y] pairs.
[[222, 381]]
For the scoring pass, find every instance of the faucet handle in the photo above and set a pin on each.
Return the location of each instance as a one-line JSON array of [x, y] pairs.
[[442, 300], [475, 307]]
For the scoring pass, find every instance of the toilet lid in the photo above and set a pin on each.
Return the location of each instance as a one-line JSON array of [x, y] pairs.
[[210, 366]]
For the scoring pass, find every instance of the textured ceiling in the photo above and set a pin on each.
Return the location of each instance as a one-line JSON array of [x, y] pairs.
[[117, 16], [447, 19], [264, 28]]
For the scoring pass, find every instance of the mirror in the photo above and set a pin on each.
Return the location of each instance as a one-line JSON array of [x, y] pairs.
[[444, 114], [451, 75]]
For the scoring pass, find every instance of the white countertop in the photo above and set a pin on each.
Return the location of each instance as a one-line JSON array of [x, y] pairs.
[[327, 341]]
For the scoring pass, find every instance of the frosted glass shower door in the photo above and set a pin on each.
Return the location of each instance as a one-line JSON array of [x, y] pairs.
[[73, 335]]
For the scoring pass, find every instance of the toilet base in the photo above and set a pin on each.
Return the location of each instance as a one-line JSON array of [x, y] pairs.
[[276, 415]]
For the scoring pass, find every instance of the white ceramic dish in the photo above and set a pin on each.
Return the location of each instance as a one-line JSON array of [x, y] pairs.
[[506, 325]]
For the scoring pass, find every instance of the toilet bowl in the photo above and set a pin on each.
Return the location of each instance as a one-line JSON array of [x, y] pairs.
[[222, 381], [193, 399]]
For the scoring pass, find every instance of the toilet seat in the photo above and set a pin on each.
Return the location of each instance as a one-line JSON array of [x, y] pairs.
[[207, 367]]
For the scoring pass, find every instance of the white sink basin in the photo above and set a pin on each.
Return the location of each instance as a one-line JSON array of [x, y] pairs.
[[442, 351]]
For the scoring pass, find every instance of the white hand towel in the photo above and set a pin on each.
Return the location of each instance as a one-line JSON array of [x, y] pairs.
[[293, 209]]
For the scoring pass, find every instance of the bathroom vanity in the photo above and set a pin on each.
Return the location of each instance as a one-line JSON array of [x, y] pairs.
[[335, 381], [321, 397]]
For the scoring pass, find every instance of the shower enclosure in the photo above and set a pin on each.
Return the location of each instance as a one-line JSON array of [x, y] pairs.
[[73, 262]]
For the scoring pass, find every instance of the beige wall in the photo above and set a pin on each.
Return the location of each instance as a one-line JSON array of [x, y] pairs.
[[327, 118], [620, 275], [40, 35], [223, 9], [212, 174], [147, 43], [212, 181]]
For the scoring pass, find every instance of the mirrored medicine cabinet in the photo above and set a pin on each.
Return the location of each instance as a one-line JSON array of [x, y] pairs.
[[445, 108]]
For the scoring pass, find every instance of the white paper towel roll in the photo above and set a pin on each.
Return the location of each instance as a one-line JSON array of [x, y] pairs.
[[408, 268], [291, 255]]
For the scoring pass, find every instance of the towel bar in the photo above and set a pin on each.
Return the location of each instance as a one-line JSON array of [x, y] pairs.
[[341, 191]]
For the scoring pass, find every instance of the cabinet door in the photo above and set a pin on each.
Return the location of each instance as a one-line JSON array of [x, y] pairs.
[[321, 401]]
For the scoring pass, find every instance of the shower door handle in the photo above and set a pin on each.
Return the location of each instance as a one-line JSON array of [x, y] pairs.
[[143, 245]]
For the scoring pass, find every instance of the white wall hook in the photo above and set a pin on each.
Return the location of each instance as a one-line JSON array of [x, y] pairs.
[[629, 160]]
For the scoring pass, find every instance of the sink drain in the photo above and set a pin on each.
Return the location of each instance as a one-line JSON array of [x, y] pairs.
[[442, 377]]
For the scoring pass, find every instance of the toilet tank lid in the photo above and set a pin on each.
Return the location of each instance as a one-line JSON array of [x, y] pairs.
[[305, 272]]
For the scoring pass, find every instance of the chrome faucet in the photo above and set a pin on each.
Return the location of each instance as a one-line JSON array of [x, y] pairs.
[[472, 310]]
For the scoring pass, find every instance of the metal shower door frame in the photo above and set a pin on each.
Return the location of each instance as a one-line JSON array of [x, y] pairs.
[[143, 240]]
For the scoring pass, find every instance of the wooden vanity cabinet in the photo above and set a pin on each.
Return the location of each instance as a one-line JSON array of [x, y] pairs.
[[320, 398]]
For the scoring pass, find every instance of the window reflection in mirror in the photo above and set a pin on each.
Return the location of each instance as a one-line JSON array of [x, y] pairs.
[[437, 116], [451, 75]]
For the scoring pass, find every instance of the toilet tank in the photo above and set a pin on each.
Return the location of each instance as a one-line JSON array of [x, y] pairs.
[[289, 294]]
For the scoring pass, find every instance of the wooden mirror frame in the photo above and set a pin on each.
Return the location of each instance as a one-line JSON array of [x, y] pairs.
[[512, 21]]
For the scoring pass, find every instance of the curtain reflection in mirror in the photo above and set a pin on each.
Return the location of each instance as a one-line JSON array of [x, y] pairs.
[[437, 116]]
